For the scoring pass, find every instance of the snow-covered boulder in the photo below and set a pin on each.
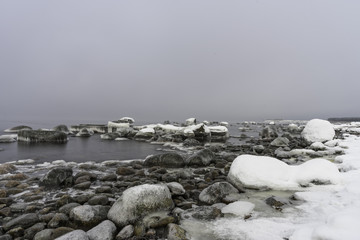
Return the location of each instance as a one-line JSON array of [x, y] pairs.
[[219, 133], [318, 130], [190, 121], [317, 146], [201, 132], [216, 192], [293, 127], [127, 120], [139, 201], [225, 124], [8, 138], [84, 132], [239, 208], [145, 133], [259, 172]]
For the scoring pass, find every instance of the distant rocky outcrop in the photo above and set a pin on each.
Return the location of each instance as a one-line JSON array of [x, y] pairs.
[[36, 136], [18, 128]]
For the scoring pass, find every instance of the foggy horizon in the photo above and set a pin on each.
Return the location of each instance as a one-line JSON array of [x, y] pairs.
[[161, 60]]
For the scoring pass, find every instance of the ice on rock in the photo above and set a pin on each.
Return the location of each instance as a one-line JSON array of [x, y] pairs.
[[317, 146], [318, 130], [239, 208], [261, 172], [190, 121], [8, 138]]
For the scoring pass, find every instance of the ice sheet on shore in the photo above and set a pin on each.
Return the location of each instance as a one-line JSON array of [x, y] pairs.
[[331, 212]]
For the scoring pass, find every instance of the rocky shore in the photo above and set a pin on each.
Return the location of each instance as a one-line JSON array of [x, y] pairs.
[[153, 198]]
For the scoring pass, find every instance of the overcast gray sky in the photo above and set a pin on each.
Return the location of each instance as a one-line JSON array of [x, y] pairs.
[[158, 60]]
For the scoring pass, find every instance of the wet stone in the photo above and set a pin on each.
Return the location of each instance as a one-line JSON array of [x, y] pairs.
[[98, 200], [82, 186], [68, 207], [31, 231]]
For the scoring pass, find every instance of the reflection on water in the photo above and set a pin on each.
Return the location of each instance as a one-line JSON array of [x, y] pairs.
[[77, 149]]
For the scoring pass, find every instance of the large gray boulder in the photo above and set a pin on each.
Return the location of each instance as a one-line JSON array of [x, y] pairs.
[[36, 136], [87, 216], [74, 235], [168, 160], [104, 231], [216, 192], [139, 201], [57, 178], [202, 158]]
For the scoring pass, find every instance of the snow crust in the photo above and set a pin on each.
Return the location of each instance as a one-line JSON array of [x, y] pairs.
[[261, 172], [318, 130], [239, 208], [330, 212]]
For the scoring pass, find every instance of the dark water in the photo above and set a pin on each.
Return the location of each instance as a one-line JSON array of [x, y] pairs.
[[77, 149]]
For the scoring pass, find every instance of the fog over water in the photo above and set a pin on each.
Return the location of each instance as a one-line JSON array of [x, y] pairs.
[[158, 60]]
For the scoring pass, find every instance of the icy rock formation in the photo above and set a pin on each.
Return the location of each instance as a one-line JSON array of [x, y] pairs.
[[34, 136], [145, 134], [190, 121], [259, 172], [139, 201], [17, 129], [85, 132], [61, 128], [127, 120], [219, 133], [318, 130], [96, 128], [8, 138]]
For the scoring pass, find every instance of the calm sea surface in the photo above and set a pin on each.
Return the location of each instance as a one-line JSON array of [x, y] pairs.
[[79, 149]]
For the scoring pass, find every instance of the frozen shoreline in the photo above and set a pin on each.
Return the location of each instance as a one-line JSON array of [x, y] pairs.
[[328, 212]]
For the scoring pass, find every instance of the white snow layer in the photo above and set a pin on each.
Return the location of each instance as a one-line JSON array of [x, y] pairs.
[[318, 130], [266, 172], [239, 208], [329, 212]]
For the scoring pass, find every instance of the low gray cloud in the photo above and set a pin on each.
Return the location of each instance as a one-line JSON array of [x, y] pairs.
[[157, 60]]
